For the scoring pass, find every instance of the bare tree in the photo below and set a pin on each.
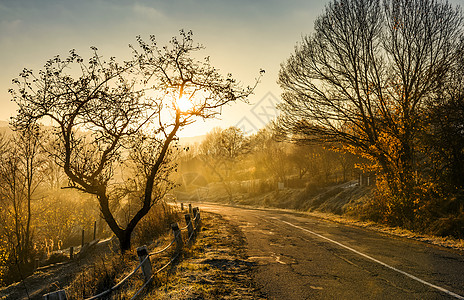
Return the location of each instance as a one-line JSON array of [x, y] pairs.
[[107, 112], [21, 158], [220, 150], [364, 77], [270, 155]]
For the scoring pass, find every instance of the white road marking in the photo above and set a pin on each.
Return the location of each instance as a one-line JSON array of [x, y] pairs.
[[376, 260]]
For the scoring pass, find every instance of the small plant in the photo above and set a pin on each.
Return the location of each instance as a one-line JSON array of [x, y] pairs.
[[156, 223]]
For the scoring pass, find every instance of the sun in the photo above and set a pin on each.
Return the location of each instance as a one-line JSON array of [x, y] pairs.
[[184, 104]]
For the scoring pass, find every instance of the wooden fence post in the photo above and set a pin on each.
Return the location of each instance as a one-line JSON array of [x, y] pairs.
[[190, 208], [188, 220], [142, 253], [194, 211], [177, 236], [182, 206], [36, 264], [71, 252], [197, 218], [94, 230], [58, 295]]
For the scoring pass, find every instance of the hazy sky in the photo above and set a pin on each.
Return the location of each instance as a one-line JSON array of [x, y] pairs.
[[240, 37]]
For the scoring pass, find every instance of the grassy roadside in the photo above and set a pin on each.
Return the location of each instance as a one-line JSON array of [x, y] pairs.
[[447, 242], [214, 267]]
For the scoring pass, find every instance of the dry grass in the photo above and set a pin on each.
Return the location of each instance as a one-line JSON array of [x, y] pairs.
[[156, 223], [214, 267], [108, 269], [100, 276]]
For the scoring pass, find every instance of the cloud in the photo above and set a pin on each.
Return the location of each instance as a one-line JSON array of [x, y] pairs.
[[8, 26], [147, 11]]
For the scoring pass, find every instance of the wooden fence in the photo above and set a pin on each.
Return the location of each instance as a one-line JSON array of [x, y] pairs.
[[72, 252], [192, 227]]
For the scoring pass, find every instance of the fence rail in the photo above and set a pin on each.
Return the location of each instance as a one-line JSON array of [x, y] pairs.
[[193, 226]]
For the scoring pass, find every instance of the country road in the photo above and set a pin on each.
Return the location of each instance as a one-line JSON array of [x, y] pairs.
[[301, 257]]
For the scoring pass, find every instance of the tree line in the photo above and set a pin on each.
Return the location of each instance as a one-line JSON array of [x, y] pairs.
[[230, 158]]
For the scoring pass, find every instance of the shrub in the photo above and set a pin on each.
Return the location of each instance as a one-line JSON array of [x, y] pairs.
[[156, 223]]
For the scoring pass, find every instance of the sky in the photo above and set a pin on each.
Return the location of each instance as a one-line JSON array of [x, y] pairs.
[[241, 37]]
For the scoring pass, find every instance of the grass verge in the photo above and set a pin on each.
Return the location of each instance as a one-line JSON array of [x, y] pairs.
[[213, 267]]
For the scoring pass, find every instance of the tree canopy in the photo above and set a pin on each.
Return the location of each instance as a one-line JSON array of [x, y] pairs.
[[367, 78]]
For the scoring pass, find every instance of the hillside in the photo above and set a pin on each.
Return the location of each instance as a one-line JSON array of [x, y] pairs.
[[5, 128], [336, 198]]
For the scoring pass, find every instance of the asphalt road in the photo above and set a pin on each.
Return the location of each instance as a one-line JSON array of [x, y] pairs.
[[300, 257]]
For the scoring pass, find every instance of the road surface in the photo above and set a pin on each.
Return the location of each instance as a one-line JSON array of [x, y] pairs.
[[301, 257]]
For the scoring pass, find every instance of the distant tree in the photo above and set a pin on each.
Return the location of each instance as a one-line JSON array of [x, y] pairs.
[[364, 78], [106, 112], [271, 157], [347, 162], [21, 160], [211, 153], [303, 158], [220, 150], [233, 142]]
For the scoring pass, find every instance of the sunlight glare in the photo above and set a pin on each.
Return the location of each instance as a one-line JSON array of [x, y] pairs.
[[184, 104]]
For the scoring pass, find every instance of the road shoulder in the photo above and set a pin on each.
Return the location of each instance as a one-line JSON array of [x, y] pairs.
[[215, 267]]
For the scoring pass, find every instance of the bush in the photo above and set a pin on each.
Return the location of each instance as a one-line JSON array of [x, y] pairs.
[[156, 223], [424, 208], [107, 271]]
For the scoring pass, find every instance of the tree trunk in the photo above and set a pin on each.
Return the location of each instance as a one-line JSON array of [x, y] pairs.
[[27, 246], [125, 240], [108, 216]]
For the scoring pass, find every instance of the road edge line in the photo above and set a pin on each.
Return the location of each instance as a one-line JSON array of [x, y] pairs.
[[376, 260]]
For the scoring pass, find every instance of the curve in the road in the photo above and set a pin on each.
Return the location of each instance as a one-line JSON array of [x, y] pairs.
[[301, 257]]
